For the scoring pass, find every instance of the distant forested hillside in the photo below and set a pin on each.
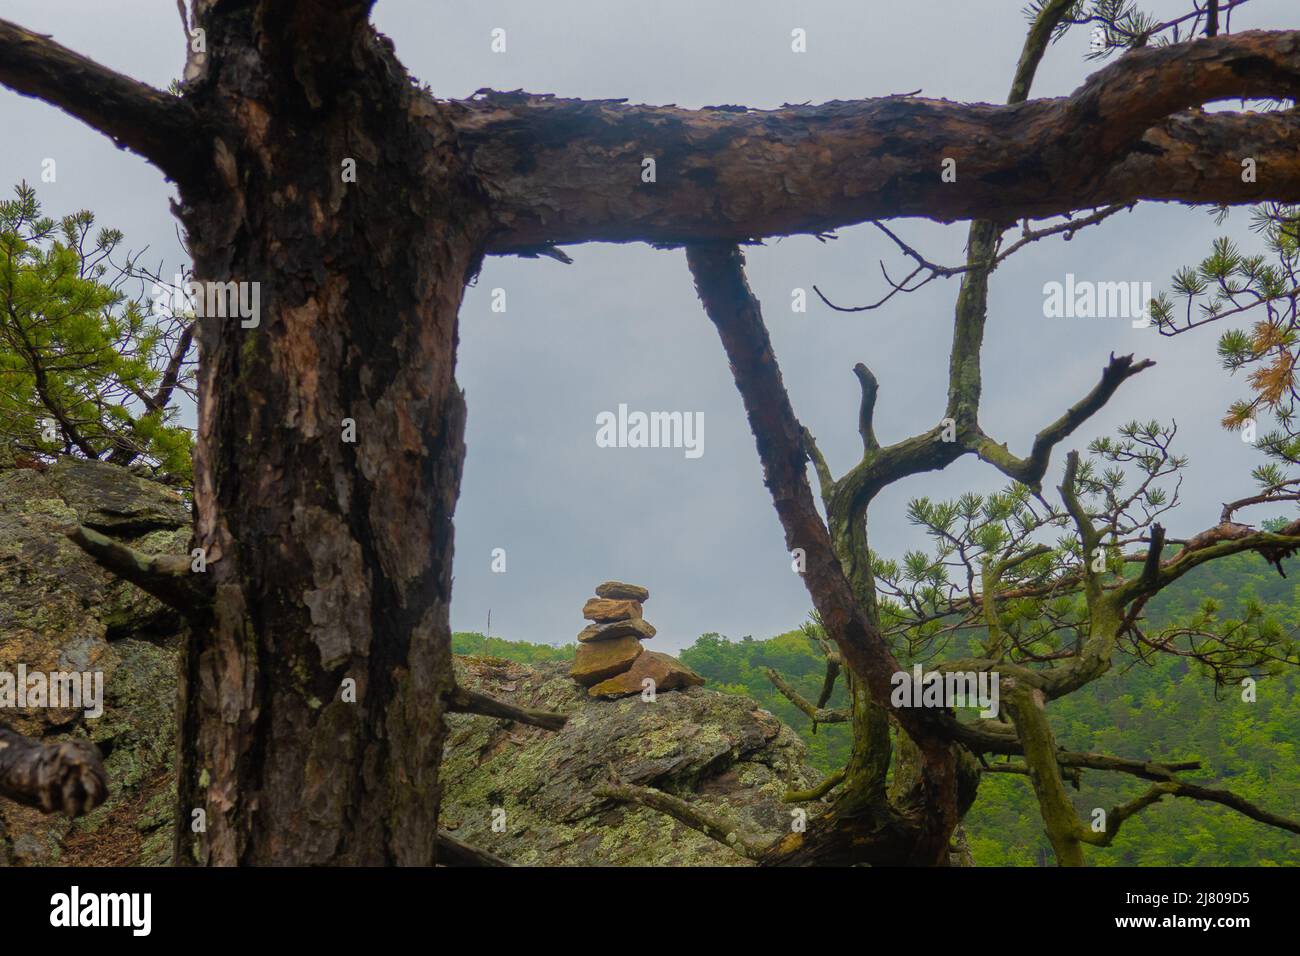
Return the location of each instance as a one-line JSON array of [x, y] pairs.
[[1165, 709], [468, 642]]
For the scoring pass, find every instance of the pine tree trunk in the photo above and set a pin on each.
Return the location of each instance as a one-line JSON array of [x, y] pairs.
[[330, 558]]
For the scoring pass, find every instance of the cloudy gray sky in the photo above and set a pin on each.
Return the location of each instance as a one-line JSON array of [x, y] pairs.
[[622, 324]]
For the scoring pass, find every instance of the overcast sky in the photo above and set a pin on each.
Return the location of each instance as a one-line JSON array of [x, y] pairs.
[[622, 324]]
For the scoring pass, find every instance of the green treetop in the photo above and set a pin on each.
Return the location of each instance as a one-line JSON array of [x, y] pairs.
[[86, 368]]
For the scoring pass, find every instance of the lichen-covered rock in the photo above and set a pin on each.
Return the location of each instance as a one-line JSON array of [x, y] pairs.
[[719, 750], [114, 500], [59, 611]]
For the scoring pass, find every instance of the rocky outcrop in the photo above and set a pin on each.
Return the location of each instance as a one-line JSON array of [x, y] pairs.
[[526, 794], [60, 612], [522, 793]]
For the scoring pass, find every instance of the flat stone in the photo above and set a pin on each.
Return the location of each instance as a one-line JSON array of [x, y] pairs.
[[633, 627], [617, 590], [668, 673], [603, 609], [600, 660]]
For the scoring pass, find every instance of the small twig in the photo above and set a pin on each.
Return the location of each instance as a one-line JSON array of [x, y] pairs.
[[818, 715], [452, 852]]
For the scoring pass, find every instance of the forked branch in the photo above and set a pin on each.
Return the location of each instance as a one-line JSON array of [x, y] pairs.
[[1179, 788], [720, 281], [1029, 471], [735, 311], [815, 712]]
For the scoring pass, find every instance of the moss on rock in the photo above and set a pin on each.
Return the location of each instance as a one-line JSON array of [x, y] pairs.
[[720, 750], [59, 611]]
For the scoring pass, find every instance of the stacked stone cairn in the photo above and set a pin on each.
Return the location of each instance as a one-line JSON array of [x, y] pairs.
[[611, 661]]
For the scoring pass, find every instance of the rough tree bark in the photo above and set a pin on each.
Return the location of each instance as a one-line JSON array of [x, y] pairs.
[[331, 559], [557, 170], [65, 777], [328, 559]]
